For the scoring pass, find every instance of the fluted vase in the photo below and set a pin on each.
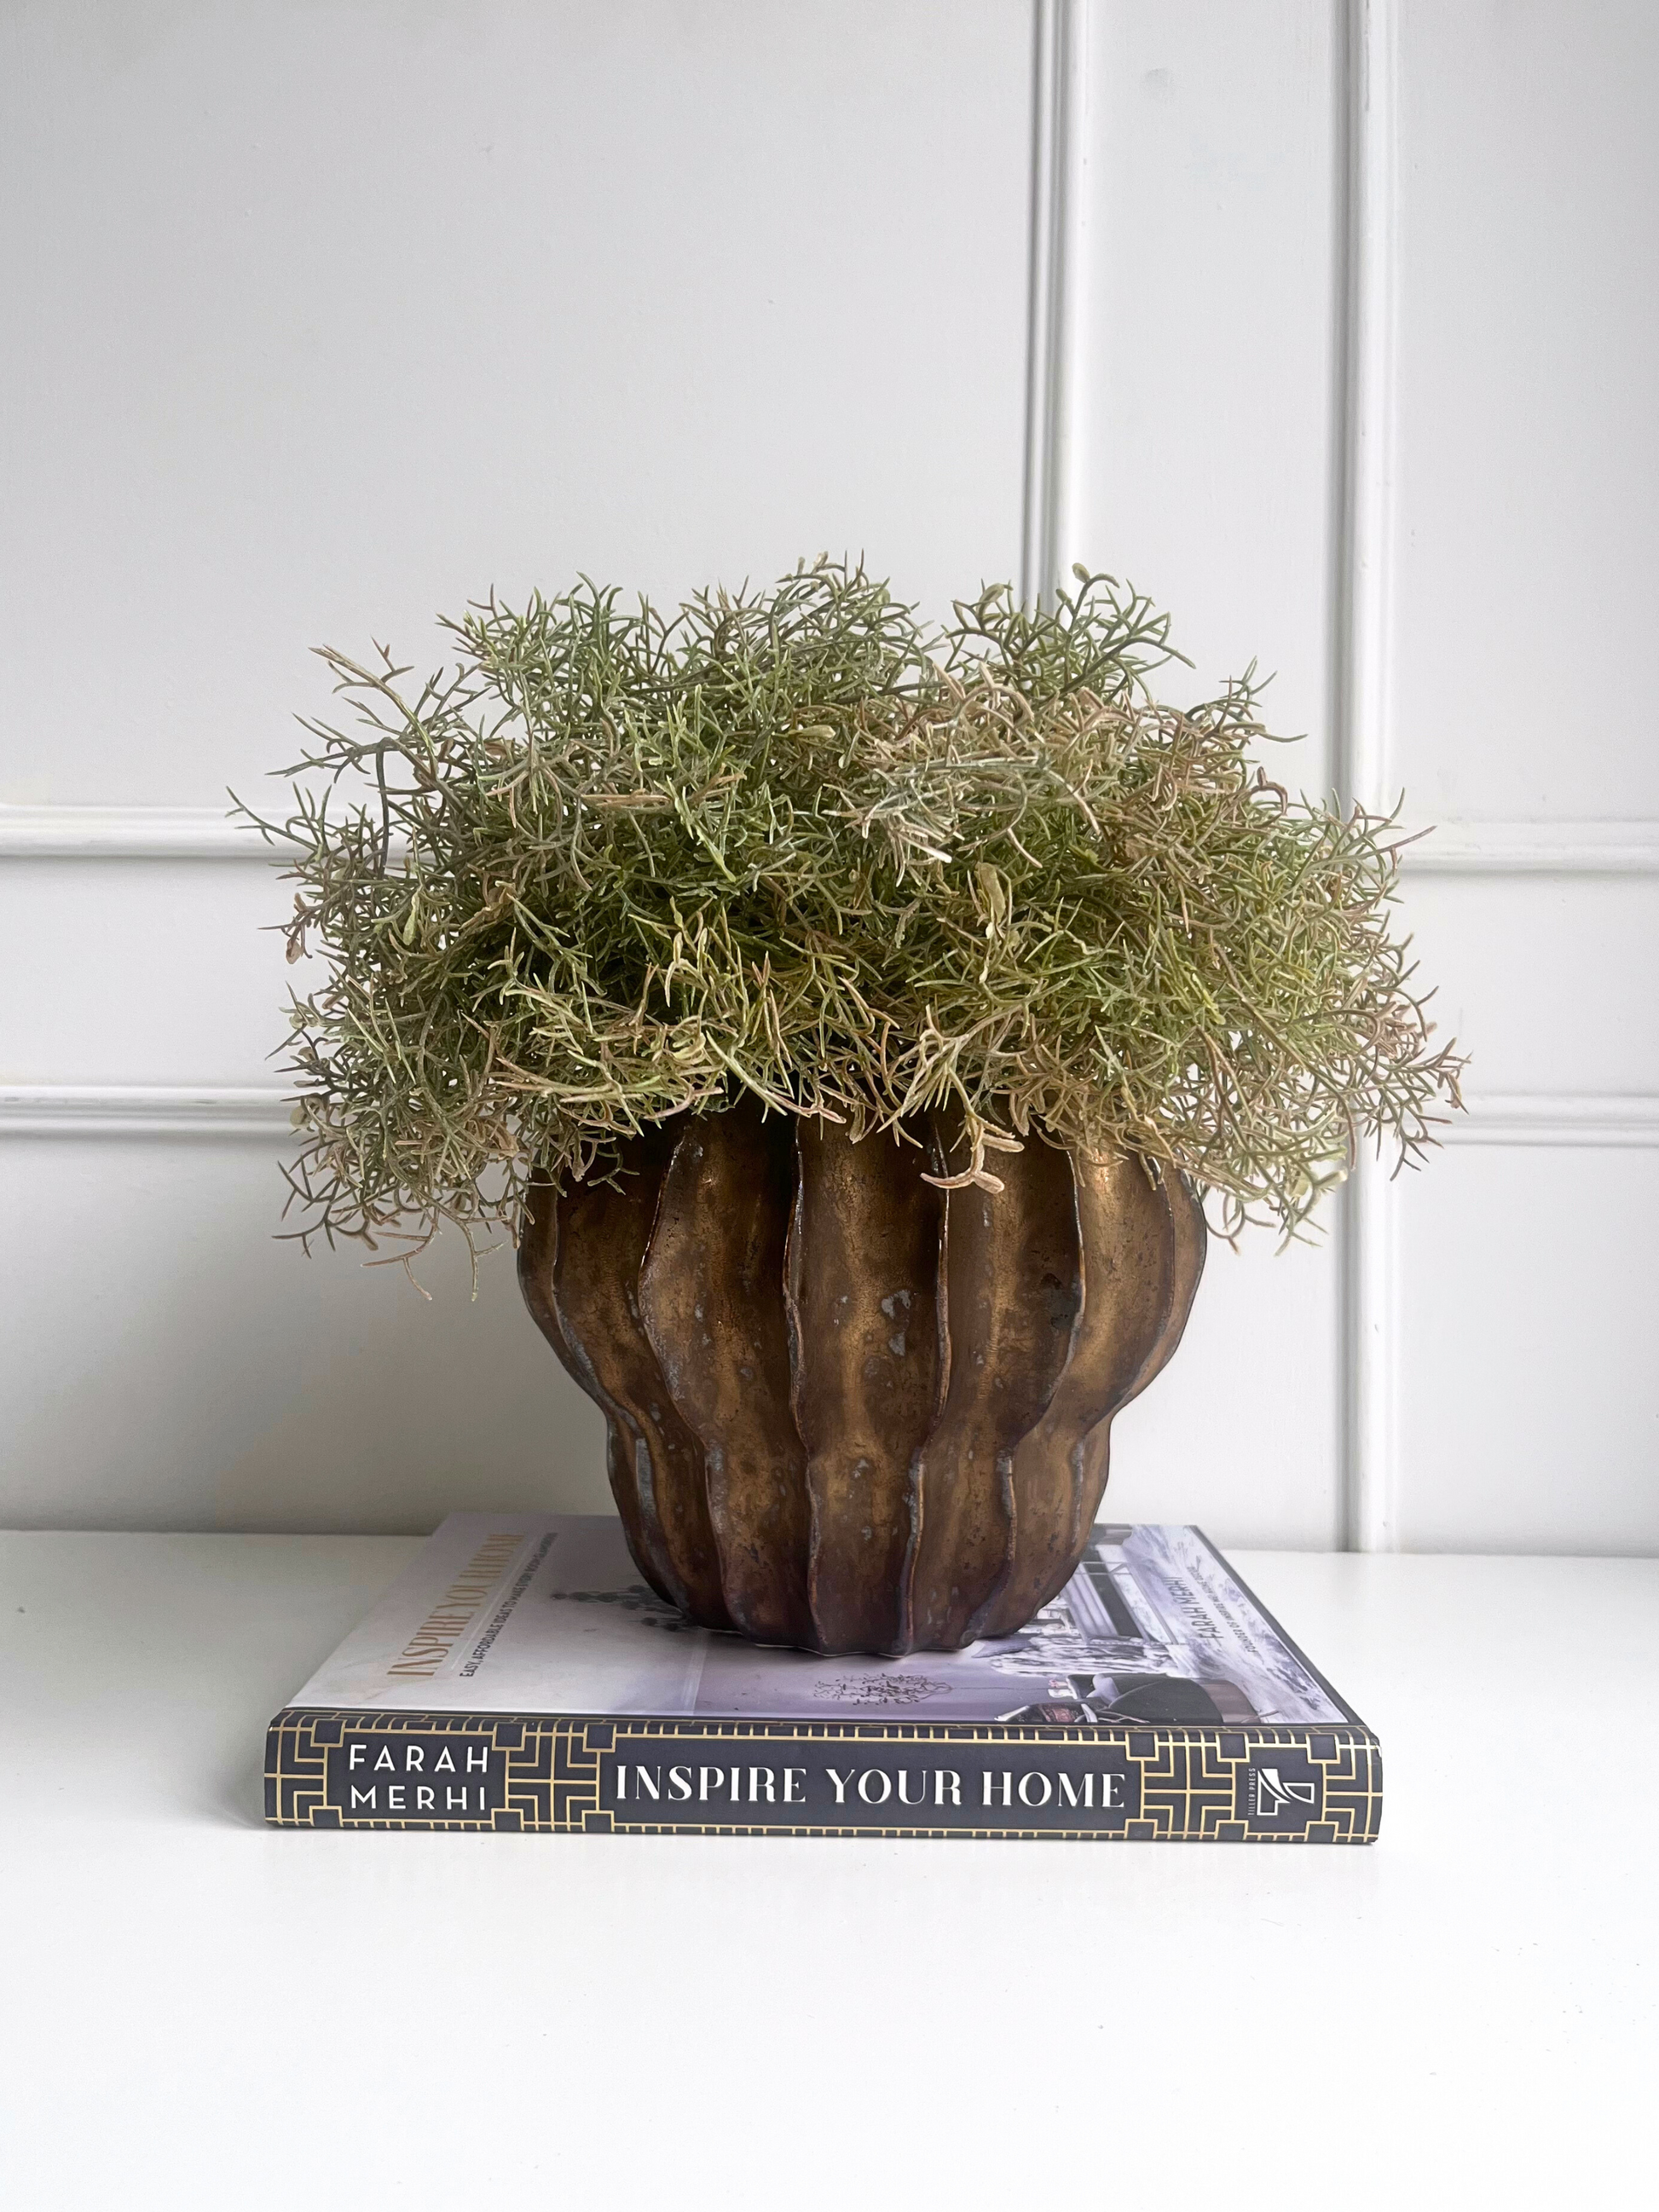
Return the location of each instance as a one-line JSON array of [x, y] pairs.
[[848, 1410]]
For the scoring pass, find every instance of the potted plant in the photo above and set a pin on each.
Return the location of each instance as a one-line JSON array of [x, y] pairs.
[[846, 1019]]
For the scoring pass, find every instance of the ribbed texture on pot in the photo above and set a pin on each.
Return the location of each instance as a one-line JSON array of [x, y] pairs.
[[848, 1410]]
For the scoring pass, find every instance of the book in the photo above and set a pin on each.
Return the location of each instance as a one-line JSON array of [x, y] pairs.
[[520, 1677]]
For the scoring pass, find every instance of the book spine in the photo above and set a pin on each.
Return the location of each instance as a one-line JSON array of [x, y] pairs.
[[538, 1774]]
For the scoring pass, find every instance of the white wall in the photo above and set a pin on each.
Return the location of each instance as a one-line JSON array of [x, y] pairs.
[[1522, 463], [322, 317], [1201, 227]]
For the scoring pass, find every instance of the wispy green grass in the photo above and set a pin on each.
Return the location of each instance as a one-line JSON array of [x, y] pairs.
[[612, 866]]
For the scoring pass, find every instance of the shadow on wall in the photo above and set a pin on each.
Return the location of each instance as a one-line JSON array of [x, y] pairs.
[[189, 1372]]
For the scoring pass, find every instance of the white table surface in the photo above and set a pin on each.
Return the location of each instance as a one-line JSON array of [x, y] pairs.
[[197, 2011]]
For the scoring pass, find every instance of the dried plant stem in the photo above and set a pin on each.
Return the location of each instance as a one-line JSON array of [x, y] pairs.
[[614, 866]]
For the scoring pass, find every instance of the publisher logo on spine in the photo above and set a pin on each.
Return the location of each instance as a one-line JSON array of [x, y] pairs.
[[1280, 1790]]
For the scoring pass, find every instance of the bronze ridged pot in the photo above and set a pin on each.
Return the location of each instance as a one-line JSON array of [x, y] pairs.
[[848, 1410]]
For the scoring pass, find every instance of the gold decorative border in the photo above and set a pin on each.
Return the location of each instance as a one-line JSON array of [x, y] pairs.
[[1193, 1778]]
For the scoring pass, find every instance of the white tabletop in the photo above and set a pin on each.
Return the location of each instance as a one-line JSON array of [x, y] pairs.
[[199, 2012]]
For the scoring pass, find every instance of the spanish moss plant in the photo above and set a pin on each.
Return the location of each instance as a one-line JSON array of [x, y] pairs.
[[614, 866]]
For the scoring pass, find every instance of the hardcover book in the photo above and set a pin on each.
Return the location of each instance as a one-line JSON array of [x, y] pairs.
[[520, 1677]]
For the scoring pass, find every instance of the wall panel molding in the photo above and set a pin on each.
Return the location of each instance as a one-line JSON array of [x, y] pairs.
[[1617, 1121], [111, 1109], [1612, 1122], [102, 1109], [1366, 408], [1535, 848], [1364, 534], [130, 833], [1054, 367]]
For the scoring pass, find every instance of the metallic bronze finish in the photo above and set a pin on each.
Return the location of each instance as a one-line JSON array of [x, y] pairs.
[[1013, 1292], [711, 1297], [1124, 1251], [849, 1410], [1189, 1240], [863, 1300], [538, 1248], [578, 1270]]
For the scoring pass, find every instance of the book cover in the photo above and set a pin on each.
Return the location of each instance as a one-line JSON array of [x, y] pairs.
[[520, 1676]]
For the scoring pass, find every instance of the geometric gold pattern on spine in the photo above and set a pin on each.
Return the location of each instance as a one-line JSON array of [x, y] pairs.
[[1181, 1785], [848, 1410]]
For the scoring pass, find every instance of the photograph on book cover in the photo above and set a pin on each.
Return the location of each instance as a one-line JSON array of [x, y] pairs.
[[518, 1612]]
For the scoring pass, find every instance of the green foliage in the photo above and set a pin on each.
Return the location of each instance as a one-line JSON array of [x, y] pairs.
[[613, 866]]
